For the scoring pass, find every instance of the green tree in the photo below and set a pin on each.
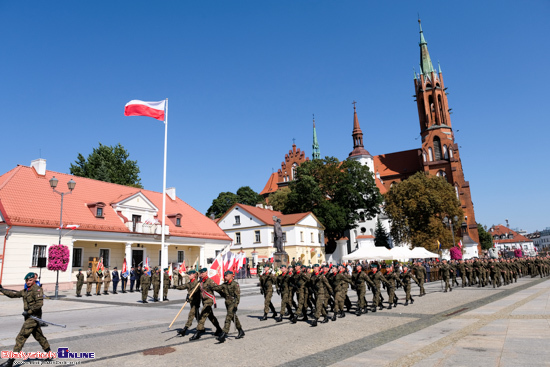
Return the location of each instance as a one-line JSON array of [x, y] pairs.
[[108, 164], [225, 200], [338, 193], [381, 238], [278, 199], [416, 208], [485, 238]]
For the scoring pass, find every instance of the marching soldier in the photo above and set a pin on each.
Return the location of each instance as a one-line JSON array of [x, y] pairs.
[[231, 291], [406, 277], [341, 280], [300, 281], [376, 278], [193, 299], [446, 271], [175, 277], [321, 287], [89, 280], [145, 280], [420, 273], [166, 285], [207, 286], [106, 281], [79, 282], [33, 299], [358, 279], [266, 288], [155, 279], [393, 281], [462, 269], [283, 288]]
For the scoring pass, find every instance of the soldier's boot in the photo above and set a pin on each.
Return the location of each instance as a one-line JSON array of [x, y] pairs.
[[366, 309], [314, 322], [450, 289], [304, 318], [373, 309], [279, 319], [264, 317], [389, 307], [48, 350], [8, 363], [274, 315], [241, 334], [293, 318], [325, 320], [183, 331], [144, 301], [197, 335], [395, 301], [334, 316], [358, 312], [342, 314], [106, 293], [412, 300], [222, 337], [381, 307], [406, 303]]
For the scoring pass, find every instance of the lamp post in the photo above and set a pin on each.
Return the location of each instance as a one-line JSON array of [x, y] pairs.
[[53, 184], [448, 222]]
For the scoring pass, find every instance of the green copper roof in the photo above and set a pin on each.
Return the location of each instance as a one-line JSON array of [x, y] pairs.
[[426, 66], [316, 151]]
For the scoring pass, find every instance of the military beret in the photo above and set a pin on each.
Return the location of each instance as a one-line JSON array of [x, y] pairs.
[[203, 270], [191, 272], [29, 276], [374, 266], [283, 266], [316, 265], [165, 269], [116, 268], [79, 269], [298, 264], [228, 272]]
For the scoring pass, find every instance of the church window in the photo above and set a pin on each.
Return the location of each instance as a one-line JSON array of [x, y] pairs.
[[294, 166], [430, 154], [445, 152], [456, 190], [437, 148], [450, 152], [424, 156], [441, 173]]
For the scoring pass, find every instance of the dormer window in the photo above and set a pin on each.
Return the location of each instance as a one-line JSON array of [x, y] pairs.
[[97, 209], [178, 222], [99, 212], [175, 218]]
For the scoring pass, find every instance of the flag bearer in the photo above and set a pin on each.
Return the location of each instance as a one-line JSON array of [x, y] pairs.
[[231, 291]]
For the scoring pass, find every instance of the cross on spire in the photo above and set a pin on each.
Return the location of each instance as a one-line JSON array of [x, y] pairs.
[[353, 103], [293, 141]]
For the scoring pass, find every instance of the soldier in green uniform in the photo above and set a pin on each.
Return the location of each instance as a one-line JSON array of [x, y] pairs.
[[193, 299], [155, 279], [393, 282], [376, 278], [341, 281], [106, 281], [166, 285], [446, 272], [300, 281], [145, 281], [231, 291], [79, 282], [266, 288], [207, 287], [283, 288], [99, 282], [89, 280], [358, 280], [406, 278], [420, 273], [321, 287], [33, 299]]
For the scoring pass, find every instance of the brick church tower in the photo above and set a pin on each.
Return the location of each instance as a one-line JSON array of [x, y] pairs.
[[440, 155]]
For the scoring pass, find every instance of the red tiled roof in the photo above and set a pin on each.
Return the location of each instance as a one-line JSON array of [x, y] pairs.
[[26, 199], [400, 163], [365, 236], [500, 230], [271, 185], [266, 215]]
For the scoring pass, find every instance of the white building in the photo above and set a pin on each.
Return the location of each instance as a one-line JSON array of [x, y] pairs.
[[506, 239], [115, 222]]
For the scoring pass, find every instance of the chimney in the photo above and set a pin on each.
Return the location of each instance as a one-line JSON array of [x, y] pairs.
[[171, 192], [39, 166]]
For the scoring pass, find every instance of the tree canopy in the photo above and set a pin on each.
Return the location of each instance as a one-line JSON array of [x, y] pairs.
[[225, 200], [381, 238], [416, 208], [108, 164], [485, 238], [278, 199], [338, 194]]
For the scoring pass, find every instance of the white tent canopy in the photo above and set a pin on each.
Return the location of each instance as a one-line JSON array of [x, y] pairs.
[[422, 253], [369, 253], [401, 253]]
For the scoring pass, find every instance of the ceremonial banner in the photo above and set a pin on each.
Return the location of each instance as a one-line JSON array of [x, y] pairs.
[[141, 108]]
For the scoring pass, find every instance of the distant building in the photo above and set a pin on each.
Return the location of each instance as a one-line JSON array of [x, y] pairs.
[[541, 239], [114, 222], [251, 229], [506, 239]]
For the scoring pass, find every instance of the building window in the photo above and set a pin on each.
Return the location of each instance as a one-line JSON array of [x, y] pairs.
[[301, 236], [77, 257], [37, 252], [178, 222], [135, 220], [430, 154], [99, 213], [424, 156], [238, 237], [104, 253], [441, 173], [294, 166], [257, 236], [450, 152], [445, 152], [312, 240], [181, 256], [237, 219], [437, 148]]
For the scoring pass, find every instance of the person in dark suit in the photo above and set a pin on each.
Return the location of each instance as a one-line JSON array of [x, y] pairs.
[[132, 279], [139, 273], [115, 279]]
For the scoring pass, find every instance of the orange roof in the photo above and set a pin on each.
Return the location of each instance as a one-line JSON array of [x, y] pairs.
[[26, 199], [266, 215], [271, 185], [365, 236], [400, 163], [502, 230]]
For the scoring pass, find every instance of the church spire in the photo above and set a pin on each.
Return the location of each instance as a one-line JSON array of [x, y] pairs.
[[357, 134], [426, 66], [316, 151]]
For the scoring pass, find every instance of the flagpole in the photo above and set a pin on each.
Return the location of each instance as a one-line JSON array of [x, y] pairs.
[[162, 260]]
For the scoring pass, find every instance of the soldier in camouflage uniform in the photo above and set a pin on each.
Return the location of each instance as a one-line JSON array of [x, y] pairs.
[[155, 279], [231, 291], [99, 281], [321, 287], [446, 272], [89, 280], [207, 287], [420, 273], [393, 282], [283, 288], [342, 281], [358, 280], [106, 281], [406, 277], [300, 281], [266, 288], [376, 277], [145, 281], [165, 285], [33, 299], [193, 299], [79, 282]]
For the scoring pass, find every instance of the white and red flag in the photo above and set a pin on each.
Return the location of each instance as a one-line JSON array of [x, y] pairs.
[[183, 269], [241, 261], [460, 243], [215, 272], [142, 108]]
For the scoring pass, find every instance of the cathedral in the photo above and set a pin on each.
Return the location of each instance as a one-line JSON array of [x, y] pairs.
[[438, 155]]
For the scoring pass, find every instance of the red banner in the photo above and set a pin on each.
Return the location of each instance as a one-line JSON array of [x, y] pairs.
[[253, 271]]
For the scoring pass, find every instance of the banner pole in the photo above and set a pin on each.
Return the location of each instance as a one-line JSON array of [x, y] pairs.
[[163, 261]]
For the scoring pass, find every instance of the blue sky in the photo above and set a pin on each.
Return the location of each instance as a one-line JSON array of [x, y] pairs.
[[243, 79]]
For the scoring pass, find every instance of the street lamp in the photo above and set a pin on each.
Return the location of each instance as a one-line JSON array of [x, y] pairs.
[[448, 222], [53, 184]]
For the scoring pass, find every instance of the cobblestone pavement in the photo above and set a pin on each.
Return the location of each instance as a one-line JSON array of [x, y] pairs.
[[469, 326]]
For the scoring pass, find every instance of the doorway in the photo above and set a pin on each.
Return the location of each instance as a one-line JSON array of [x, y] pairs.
[[137, 258]]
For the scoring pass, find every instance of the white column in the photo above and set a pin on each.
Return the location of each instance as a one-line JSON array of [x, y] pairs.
[[128, 255], [202, 259]]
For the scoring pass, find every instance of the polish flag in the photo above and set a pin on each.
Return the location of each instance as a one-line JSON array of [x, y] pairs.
[[231, 262], [146, 267], [460, 243], [241, 261], [125, 269], [183, 269], [215, 272], [141, 108], [271, 258]]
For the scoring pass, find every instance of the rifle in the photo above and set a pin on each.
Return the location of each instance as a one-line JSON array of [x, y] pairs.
[[186, 302], [46, 322]]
